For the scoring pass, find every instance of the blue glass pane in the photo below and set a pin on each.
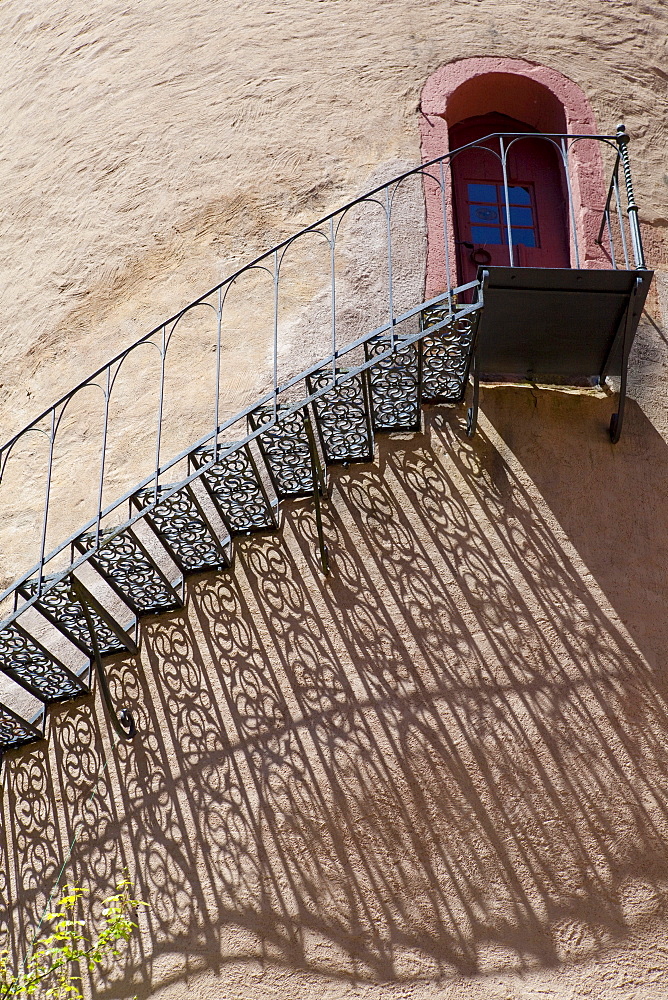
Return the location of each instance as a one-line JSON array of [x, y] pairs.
[[524, 237], [519, 196], [482, 192], [518, 216], [521, 216], [485, 234], [484, 213]]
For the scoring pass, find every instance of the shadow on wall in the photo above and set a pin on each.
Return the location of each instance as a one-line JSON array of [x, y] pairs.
[[450, 758]]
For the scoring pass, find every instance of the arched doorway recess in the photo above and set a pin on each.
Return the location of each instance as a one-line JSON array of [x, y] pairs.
[[464, 97]]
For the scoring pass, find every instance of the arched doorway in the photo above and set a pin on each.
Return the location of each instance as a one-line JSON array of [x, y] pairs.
[[535, 197], [535, 98]]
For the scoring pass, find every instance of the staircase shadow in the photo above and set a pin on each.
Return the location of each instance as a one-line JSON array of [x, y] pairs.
[[446, 759], [609, 499]]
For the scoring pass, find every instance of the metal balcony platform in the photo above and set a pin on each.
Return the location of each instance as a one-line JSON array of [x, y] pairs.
[[552, 323], [555, 325]]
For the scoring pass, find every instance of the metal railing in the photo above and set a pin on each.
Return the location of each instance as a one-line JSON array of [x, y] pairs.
[[364, 267]]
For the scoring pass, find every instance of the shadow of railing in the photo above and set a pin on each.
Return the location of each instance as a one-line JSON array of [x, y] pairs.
[[448, 758]]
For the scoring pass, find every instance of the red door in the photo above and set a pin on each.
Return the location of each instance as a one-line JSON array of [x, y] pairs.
[[536, 194]]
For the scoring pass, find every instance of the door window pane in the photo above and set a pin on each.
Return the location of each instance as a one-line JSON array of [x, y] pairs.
[[524, 237], [520, 216], [484, 213], [486, 234], [487, 214], [483, 192], [519, 195]]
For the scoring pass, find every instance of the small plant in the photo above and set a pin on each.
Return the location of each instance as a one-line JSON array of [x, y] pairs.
[[49, 971]]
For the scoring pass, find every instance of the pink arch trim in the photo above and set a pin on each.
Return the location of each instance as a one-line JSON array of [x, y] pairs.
[[450, 95]]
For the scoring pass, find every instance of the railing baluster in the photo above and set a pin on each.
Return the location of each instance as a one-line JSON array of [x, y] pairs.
[[161, 399], [610, 240], [275, 364], [219, 325], [390, 297], [47, 497], [509, 228], [571, 204], [103, 458], [332, 266], [446, 240]]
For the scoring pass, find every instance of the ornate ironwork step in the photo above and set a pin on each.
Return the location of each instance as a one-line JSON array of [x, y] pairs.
[[446, 354], [130, 571], [183, 528], [288, 449], [342, 417], [62, 608], [15, 731], [395, 385], [38, 671], [236, 489]]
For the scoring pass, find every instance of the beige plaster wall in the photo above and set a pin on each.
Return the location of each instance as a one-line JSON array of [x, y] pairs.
[[442, 772]]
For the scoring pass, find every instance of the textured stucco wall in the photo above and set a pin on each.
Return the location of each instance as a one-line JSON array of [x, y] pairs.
[[443, 772]]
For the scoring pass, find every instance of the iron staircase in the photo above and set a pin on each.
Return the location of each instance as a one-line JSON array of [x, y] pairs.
[[524, 323]]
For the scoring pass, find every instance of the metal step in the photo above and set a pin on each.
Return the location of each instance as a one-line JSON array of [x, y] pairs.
[[342, 417], [15, 731], [286, 449], [446, 354], [130, 571], [395, 385], [236, 489], [38, 671], [60, 606], [183, 528]]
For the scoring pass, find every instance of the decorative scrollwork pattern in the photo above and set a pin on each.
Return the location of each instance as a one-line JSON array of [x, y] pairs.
[[234, 485], [15, 731], [285, 448], [125, 565], [445, 355], [181, 526], [395, 385], [59, 605], [342, 418], [30, 665]]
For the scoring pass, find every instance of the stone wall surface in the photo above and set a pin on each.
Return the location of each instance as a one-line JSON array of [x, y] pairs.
[[441, 772]]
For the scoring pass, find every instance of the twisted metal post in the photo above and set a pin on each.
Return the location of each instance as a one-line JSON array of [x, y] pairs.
[[631, 207]]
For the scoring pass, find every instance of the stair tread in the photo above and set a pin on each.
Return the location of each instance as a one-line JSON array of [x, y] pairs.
[[15, 731], [234, 485], [126, 566], [286, 450], [183, 528], [26, 661], [342, 417], [61, 607]]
